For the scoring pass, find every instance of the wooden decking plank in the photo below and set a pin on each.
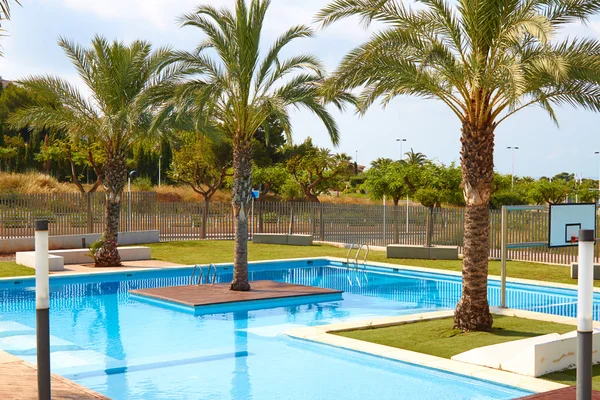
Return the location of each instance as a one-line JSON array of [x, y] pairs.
[[569, 393], [19, 382], [206, 295]]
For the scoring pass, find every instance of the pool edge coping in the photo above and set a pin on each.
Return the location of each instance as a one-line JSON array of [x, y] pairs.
[[323, 334], [329, 258], [572, 286], [101, 271]]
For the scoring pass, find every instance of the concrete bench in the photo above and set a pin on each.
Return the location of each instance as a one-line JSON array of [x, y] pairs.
[[281, 238], [574, 269], [59, 258], [27, 258], [422, 252], [535, 356]]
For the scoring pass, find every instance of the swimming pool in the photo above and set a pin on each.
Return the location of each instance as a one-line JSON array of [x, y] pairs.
[[127, 349]]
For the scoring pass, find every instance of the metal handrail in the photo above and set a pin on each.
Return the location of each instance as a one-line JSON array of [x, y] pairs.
[[214, 278], [194, 273], [357, 253], [366, 254], [349, 251]]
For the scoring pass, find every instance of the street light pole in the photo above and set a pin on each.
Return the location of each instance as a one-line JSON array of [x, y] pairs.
[[598, 152], [401, 156], [512, 173], [401, 153], [159, 162]]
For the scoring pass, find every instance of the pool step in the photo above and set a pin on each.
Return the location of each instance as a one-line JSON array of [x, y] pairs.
[[20, 340]]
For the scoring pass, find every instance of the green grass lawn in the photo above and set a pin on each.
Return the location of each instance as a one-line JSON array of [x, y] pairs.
[[568, 377], [437, 337], [11, 268], [217, 251]]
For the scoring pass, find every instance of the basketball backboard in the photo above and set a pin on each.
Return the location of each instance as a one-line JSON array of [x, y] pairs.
[[567, 219]]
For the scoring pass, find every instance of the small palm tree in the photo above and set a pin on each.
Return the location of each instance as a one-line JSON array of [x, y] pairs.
[[486, 60], [413, 158], [234, 88], [122, 80]]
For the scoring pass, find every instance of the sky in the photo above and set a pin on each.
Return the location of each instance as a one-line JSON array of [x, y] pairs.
[[544, 150]]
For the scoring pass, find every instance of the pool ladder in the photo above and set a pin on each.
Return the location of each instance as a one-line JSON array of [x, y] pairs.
[[360, 246], [348, 265], [201, 269]]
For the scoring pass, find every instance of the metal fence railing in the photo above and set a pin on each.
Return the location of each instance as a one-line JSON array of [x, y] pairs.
[[72, 213], [75, 213]]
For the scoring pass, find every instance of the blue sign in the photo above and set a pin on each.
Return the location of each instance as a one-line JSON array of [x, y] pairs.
[[255, 194]]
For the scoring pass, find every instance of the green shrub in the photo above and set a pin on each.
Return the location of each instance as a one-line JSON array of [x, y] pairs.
[[94, 247], [506, 198], [143, 184]]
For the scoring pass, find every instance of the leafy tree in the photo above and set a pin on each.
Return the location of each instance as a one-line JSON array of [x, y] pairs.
[[507, 198], [485, 60], [501, 183], [386, 178], [23, 142], [122, 79], [443, 180], [546, 192], [586, 191], [564, 176], [356, 181], [315, 169], [268, 143], [202, 164], [270, 179], [236, 87], [9, 151], [48, 153], [290, 190], [81, 153]]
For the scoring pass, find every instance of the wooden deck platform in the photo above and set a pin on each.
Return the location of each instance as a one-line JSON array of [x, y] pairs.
[[19, 382], [196, 296], [569, 393]]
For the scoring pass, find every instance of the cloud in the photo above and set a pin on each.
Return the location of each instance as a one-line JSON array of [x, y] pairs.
[[159, 13], [162, 14]]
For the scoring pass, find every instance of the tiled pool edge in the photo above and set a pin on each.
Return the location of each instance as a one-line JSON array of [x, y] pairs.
[[322, 334]]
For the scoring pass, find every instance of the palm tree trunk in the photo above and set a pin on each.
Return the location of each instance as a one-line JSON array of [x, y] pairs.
[[477, 161], [115, 174], [242, 186]]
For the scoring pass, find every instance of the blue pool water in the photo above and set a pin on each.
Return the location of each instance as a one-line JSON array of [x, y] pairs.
[[127, 349]]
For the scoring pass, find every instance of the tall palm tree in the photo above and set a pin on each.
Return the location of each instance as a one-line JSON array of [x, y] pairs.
[[122, 80], [234, 87], [5, 9], [486, 60], [5, 13]]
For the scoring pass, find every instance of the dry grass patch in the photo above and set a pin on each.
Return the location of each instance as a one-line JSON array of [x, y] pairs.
[[32, 182]]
